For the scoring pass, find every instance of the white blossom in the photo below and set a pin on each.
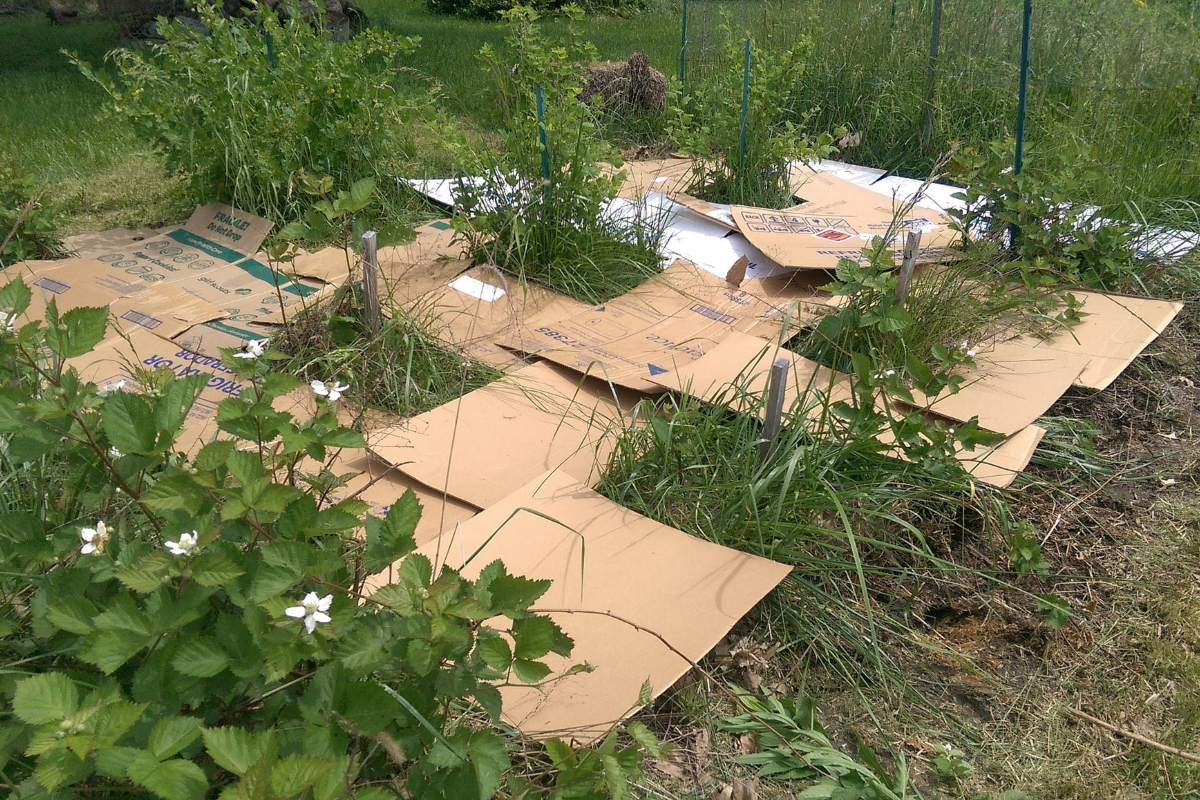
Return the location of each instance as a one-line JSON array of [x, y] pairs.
[[185, 545], [312, 610], [94, 539], [109, 388], [9, 321], [332, 391], [887, 373], [115, 453], [254, 349], [967, 347]]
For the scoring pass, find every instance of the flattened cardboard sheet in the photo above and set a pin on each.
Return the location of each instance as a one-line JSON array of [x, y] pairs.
[[1012, 385], [1115, 330], [737, 372], [601, 557], [433, 259], [78, 282], [672, 319], [93, 243], [482, 307], [667, 175], [330, 265], [836, 221], [209, 338], [489, 442]]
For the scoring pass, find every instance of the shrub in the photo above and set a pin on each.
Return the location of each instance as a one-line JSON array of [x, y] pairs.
[[750, 164], [195, 626], [492, 9], [543, 209], [28, 228], [1058, 242], [243, 111]]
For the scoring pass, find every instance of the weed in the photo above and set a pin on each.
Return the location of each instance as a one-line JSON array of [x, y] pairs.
[[28, 227]]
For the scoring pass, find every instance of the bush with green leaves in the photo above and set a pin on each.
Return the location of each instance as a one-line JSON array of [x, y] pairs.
[[28, 227], [748, 159], [190, 626], [492, 9], [543, 207], [1058, 242], [245, 110]]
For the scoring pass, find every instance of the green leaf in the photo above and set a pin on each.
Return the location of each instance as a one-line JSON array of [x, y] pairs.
[[489, 756], [108, 650], [1056, 610], [200, 657], [128, 423], [80, 330], [368, 707], [495, 652], [642, 735], [246, 467], [360, 193], [508, 594], [73, 614], [176, 402], [123, 614], [15, 296], [59, 766], [171, 734], [147, 573], [45, 698], [112, 721], [214, 569], [214, 454], [293, 774], [171, 780], [530, 671], [536, 636], [489, 697], [237, 749], [113, 762], [175, 493], [391, 539]]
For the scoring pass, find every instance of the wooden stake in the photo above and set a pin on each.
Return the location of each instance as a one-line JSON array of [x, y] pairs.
[[370, 262], [775, 393], [912, 246]]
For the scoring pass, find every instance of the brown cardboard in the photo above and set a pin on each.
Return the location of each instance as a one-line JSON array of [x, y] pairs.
[[1012, 385], [604, 558], [836, 221], [78, 282], [670, 320], [482, 307], [667, 175], [1115, 330], [208, 339], [95, 243], [433, 258], [331, 265], [489, 442], [736, 374], [710, 212]]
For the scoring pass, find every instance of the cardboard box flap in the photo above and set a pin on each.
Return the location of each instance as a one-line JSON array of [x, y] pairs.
[[223, 231], [330, 265], [999, 464], [94, 243], [478, 309], [487, 443], [1013, 384], [667, 175], [209, 338], [604, 558], [1115, 330], [78, 282], [669, 320]]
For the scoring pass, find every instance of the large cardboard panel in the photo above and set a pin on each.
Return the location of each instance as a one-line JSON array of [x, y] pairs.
[[835, 221], [607, 559], [408, 272], [737, 372], [78, 282], [667, 175], [1115, 330], [489, 442], [1011, 386], [477, 310], [672, 319], [94, 243], [209, 339]]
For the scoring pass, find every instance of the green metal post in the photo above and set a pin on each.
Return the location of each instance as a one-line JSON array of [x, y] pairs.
[[745, 109], [1014, 233], [683, 45], [927, 124], [541, 115]]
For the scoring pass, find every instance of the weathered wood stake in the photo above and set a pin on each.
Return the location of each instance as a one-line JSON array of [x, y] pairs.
[[775, 394], [370, 262], [912, 246]]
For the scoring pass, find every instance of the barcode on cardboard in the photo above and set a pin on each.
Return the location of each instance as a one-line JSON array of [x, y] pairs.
[[138, 318], [712, 313], [51, 285]]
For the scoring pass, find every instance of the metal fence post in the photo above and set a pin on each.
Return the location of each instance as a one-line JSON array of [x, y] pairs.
[[370, 262], [774, 411]]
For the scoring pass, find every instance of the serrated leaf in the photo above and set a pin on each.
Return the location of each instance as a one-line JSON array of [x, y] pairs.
[[293, 774], [128, 423], [108, 650], [85, 327], [200, 657], [176, 401], [57, 767], [147, 573], [171, 734], [535, 637], [45, 698], [529, 671], [237, 749], [495, 653], [489, 697], [73, 614], [368, 707], [391, 539], [214, 454], [15, 296], [113, 762], [176, 779], [246, 467], [175, 493], [489, 757], [112, 721], [122, 614], [214, 569], [511, 595], [642, 735]]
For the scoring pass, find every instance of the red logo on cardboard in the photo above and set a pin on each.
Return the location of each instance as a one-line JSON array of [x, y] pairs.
[[833, 235]]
